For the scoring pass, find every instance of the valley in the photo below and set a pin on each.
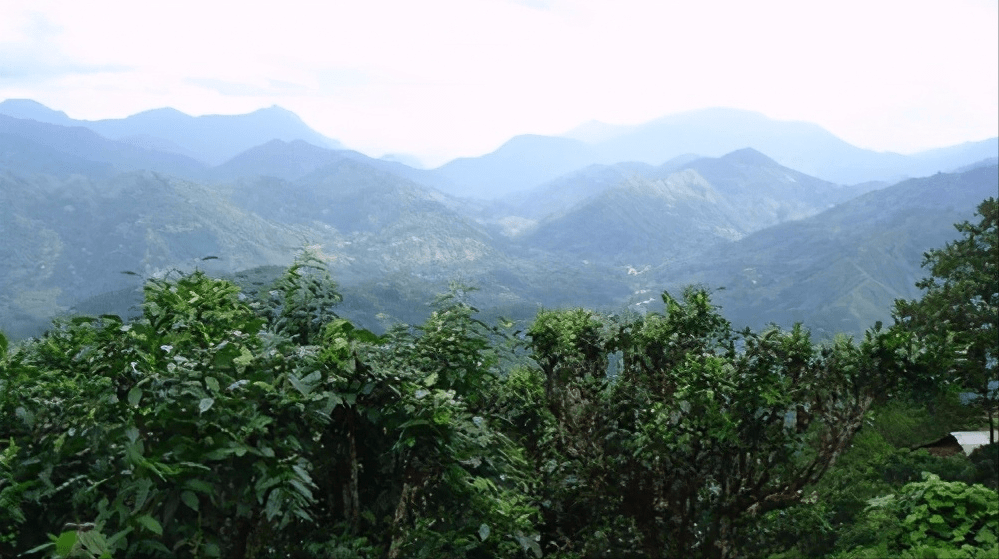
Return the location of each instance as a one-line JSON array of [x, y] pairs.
[[89, 209]]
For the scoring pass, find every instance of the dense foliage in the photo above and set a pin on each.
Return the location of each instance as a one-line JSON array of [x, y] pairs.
[[958, 315], [227, 424]]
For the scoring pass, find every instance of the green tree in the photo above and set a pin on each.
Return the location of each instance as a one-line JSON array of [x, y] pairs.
[[566, 404], [670, 431], [446, 451], [177, 433], [301, 300], [215, 425], [957, 316]]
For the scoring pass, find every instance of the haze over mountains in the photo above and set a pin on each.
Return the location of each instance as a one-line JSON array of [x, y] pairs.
[[211, 139], [794, 223], [801, 146]]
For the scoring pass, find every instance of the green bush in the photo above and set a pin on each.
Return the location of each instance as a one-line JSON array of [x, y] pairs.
[[929, 518]]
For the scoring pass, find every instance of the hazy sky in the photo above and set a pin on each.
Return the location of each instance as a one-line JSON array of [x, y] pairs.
[[443, 78]]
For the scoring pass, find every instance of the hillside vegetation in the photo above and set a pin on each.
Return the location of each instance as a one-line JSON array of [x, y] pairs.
[[222, 425], [85, 218]]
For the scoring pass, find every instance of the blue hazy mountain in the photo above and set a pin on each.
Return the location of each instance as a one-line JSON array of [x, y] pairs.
[[521, 163], [682, 208], [58, 149], [211, 139], [298, 158], [527, 162], [30, 157], [33, 110], [803, 146], [562, 193], [278, 159]]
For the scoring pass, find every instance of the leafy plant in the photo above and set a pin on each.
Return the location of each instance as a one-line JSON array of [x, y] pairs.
[[931, 518]]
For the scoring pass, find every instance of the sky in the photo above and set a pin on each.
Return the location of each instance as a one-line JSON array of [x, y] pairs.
[[440, 79]]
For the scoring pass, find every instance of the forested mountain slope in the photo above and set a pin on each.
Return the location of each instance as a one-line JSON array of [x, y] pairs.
[[78, 209], [841, 270], [646, 220], [80, 143]]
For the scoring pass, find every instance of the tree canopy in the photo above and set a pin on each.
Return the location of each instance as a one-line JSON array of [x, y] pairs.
[[956, 318]]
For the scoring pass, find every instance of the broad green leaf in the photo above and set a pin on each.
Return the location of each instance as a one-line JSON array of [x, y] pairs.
[[141, 493], [301, 488], [274, 502], [219, 454], [298, 385], [483, 531], [302, 514], [302, 473], [65, 543], [199, 486], [190, 499], [120, 535], [212, 383], [528, 543], [150, 523], [244, 359], [205, 404], [94, 542], [263, 386], [312, 379], [134, 395], [41, 547]]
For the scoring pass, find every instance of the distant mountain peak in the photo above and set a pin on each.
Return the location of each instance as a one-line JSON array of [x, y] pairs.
[[162, 113], [31, 109], [25, 103], [748, 156], [277, 109]]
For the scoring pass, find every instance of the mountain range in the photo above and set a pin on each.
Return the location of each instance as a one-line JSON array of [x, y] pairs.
[[211, 139], [527, 161], [802, 146], [88, 208]]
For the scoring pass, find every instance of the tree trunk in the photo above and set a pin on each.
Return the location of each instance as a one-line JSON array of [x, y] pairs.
[[992, 430], [397, 520], [351, 499]]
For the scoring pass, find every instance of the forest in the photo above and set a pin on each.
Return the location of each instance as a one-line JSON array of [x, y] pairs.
[[251, 423]]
